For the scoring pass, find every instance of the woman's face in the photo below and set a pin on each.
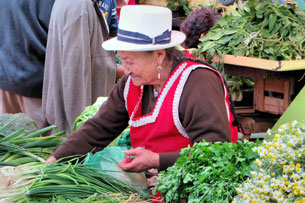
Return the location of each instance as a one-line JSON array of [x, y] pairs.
[[141, 66]]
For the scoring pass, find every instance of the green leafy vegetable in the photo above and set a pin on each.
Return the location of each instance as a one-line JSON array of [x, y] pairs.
[[21, 142], [10, 123], [46, 180], [89, 112], [207, 172], [261, 29]]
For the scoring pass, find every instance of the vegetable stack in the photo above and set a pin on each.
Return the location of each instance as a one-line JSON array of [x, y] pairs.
[[67, 180], [21, 142], [207, 172], [258, 29], [281, 174]]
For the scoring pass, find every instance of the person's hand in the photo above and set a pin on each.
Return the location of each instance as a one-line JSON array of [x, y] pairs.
[[51, 159], [144, 160]]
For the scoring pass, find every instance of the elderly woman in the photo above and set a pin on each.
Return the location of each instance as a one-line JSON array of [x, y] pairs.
[[168, 100]]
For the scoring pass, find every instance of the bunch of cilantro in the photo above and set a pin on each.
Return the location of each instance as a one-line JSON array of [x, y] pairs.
[[208, 172]]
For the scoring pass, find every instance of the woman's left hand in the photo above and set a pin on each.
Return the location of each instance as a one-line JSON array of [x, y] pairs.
[[144, 160]]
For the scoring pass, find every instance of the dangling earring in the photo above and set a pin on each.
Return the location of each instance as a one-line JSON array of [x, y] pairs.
[[159, 70]]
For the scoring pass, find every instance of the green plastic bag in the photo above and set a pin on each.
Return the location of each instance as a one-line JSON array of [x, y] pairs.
[[107, 161]]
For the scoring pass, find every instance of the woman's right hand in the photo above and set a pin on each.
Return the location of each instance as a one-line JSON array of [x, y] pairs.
[[51, 159]]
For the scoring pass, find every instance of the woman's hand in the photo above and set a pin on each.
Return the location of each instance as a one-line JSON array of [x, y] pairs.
[[144, 160], [51, 159]]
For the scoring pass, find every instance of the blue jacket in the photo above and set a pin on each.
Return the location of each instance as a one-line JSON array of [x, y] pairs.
[[23, 37], [108, 7]]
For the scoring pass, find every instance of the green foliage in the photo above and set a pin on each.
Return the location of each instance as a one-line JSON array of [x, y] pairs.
[[68, 181], [258, 29], [95, 198], [118, 60], [89, 112], [174, 5], [21, 142], [207, 172]]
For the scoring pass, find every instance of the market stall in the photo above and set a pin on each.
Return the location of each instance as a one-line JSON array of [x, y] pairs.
[[276, 84], [259, 41]]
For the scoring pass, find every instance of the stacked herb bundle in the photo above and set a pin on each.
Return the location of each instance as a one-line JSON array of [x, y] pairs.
[[207, 172], [281, 174], [21, 142], [75, 181], [258, 29]]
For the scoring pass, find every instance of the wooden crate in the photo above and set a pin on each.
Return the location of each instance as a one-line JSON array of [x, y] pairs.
[[273, 94], [255, 123], [271, 79]]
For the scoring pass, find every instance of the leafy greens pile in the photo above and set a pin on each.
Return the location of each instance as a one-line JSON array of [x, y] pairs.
[[258, 29], [10, 123], [207, 172], [43, 181], [88, 112], [21, 142]]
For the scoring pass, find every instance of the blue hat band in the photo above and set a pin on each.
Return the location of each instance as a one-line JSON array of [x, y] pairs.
[[139, 38]]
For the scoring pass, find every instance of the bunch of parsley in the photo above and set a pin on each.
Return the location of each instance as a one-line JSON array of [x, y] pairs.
[[208, 172]]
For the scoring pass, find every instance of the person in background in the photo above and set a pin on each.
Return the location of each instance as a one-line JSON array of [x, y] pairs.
[[169, 101], [23, 39], [77, 69], [109, 10], [196, 25]]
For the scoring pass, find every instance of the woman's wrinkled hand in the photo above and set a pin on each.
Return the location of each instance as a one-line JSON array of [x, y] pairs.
[[143, 160], [51, 159]]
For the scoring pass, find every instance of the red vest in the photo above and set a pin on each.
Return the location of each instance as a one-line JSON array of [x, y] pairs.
[[161, 130]]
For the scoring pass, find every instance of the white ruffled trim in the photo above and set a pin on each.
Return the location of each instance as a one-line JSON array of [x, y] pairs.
[[178, 94], [126, 90], [153, 116]]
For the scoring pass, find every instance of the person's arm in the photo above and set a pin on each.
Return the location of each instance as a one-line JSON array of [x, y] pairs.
[[99, 131], [202, 112]]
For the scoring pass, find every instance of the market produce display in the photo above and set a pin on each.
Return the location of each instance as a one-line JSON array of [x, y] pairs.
[[175, 5], [26, 177], [88, 112], [73, 182], [21, 141], [208, 172], [281, 174], [12, 122], [258, 29], [272, 170]]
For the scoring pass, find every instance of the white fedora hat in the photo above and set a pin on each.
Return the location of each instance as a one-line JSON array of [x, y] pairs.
[[144, 28]]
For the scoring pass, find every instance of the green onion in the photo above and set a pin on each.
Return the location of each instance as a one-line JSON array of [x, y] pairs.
[[67, 180]]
